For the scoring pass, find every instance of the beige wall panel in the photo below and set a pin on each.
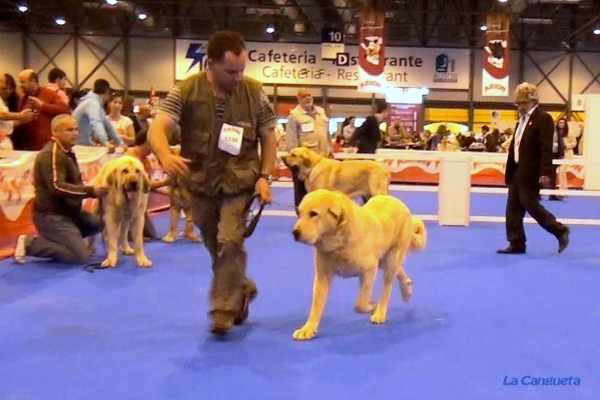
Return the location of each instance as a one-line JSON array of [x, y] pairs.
[[11, 53], [559, 77], [51, 44], [582, 77], [151, 64], [100, 46]]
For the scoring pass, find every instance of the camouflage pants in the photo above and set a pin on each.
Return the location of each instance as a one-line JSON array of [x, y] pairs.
[[222, 222]]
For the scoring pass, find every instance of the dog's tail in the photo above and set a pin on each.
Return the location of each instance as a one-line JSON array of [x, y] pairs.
[[418, 239]]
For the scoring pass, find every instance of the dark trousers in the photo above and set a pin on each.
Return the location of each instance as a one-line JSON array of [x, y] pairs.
[[60, 237], [222, 222], [524, 197], [299, 189]]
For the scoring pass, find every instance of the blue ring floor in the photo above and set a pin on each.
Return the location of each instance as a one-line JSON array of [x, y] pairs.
[[476, 321]]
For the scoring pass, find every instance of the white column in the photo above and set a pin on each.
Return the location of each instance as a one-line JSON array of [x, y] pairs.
[[591, 142], [455, 190]]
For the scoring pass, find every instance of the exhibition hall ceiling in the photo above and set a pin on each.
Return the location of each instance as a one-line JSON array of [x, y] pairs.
[[536, 24]]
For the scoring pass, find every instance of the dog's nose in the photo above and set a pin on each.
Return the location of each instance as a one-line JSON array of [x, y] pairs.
[[296, 233], [133, 185]]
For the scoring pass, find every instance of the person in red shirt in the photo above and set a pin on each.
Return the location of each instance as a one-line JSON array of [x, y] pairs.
[[46, 104]]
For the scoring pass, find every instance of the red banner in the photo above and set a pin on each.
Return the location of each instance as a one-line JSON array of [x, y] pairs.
[[371, 51], [496, 58]]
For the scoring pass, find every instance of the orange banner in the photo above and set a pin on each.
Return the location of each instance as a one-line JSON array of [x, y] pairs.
[[496, 58], [371, 51]]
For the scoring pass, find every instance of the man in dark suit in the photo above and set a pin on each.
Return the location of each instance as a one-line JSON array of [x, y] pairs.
[[529, 166]]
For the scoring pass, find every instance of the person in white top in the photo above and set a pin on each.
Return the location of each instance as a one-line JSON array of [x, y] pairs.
[[122, 124], [528, 167]]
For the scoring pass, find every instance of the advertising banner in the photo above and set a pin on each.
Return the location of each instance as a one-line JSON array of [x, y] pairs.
[[371, 51], [496, 56], [302, 64]]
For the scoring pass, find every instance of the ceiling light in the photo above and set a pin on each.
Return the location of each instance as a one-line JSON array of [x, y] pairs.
[[111, 2], [503, 1], [22, 8], [60, 21], [597, 31], [483, 27], [270, 29], [142, 16]]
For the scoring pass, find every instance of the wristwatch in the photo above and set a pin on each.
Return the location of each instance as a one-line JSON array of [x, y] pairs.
[[267, 177]]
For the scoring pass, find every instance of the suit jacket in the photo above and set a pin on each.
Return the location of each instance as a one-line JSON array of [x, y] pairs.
[[535, 150]]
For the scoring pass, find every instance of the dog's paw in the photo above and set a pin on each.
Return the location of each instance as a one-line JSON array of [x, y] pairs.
[[109, 262], [169, 238], [192, 237], [378, 317], [406, 290], [127, 251], [143, 261], [305, 333], [366, 309]]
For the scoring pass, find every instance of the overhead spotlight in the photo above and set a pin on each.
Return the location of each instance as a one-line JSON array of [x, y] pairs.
[[60, 21], [142, 16], [270, 29], [111, 2], [483, 27], [502, 1], [597, 31], [22, 8]]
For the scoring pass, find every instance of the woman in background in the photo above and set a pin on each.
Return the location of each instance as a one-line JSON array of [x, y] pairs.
[[122, 124], [570, 143]]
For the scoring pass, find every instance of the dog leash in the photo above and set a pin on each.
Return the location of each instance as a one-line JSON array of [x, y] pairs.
[[254, 215]]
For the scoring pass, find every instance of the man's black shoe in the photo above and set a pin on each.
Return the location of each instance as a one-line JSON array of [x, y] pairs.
[[563, 240], [556, 198], [512, 250]]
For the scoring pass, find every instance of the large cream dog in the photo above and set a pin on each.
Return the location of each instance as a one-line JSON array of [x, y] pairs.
[[123, 207], [353, 177], [354, 241]]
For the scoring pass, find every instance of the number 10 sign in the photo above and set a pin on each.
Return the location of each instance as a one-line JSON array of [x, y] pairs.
[[332, 42]]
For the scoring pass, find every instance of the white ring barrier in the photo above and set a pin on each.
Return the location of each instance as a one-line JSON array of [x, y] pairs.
[[471, 190]]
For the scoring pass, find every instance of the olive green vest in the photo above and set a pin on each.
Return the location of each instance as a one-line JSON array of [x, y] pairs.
[[214, 171]]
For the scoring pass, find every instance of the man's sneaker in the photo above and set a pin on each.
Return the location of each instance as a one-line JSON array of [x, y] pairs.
[[21, 249]]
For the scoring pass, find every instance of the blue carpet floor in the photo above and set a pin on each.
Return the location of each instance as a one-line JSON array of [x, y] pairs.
[[476, 319]]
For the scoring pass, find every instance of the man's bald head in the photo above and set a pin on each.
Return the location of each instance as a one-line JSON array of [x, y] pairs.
[[305, 99], [28, 80]]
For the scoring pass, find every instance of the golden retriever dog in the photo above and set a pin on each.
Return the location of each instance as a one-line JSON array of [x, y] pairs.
[[354, 177], [355, 241], [123, 207], [181, 200]]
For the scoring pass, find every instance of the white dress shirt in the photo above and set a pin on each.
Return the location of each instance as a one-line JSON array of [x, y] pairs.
[[523, 121]]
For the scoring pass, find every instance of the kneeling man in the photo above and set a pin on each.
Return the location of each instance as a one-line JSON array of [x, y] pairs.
[[58, 216]]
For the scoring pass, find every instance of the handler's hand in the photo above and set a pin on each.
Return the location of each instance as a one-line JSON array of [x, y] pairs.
[[263, 189], [175, 165], [545, 182], [101, 191]]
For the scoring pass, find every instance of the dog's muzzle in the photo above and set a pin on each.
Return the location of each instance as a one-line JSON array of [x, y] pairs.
[[132, 186]]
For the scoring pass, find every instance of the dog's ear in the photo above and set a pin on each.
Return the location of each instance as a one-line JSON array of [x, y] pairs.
[[111, 179], [337, 211], [145, 183]]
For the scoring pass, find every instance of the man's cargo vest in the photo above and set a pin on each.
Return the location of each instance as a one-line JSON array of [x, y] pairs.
[[214, 171]]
